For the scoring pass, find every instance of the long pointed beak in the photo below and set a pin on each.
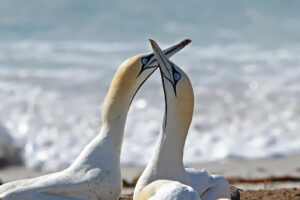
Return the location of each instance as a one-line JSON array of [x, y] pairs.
[[169, 52], [164, 63]]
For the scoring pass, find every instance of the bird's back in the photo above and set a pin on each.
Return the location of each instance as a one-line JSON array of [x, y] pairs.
[[168, 190]]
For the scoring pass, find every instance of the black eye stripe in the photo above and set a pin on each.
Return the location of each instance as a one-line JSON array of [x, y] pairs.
[[174, 71], [143, 64], [148, 58], [176, 76]]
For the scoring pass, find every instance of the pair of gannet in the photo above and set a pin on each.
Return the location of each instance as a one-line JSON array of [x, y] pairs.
[[167, 159], [96, 173]]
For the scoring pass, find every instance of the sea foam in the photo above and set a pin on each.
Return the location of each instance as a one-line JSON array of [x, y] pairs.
[[246, 101]]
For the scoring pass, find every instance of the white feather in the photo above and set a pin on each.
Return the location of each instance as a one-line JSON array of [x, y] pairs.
[[167, 159]]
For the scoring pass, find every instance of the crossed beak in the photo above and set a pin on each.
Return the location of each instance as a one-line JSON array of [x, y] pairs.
[[164, 63], [169, 52]]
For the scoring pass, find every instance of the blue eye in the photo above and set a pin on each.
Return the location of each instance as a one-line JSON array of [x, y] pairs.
[[176, 76], [144, 61]]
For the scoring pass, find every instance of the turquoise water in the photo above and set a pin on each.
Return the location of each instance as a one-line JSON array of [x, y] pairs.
[[262, 22]]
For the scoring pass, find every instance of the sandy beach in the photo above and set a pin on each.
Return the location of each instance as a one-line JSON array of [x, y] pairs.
[[258, 179]]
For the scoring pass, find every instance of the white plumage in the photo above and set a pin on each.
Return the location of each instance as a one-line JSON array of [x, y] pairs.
[[96, 173], [167, 159], [168, 190]]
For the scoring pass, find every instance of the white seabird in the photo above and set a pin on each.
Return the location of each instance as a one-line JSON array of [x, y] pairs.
[[95, 174], [167, 160]]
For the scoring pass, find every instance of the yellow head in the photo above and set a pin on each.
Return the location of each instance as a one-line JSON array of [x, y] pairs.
[[179, 95], [129, 78]]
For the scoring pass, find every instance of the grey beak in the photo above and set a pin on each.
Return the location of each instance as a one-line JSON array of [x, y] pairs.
[[168, 52], [163, 61]]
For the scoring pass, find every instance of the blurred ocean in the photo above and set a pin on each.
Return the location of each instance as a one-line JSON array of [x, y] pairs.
[[57, 59]]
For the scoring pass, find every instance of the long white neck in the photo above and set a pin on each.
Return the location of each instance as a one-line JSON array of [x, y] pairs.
[[167, 159], [170, 145], [114, 116], [106, 147], [168, 152]]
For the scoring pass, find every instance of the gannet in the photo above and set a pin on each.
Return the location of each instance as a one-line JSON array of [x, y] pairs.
[[95, 174], [167, 159], [167, 190]]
